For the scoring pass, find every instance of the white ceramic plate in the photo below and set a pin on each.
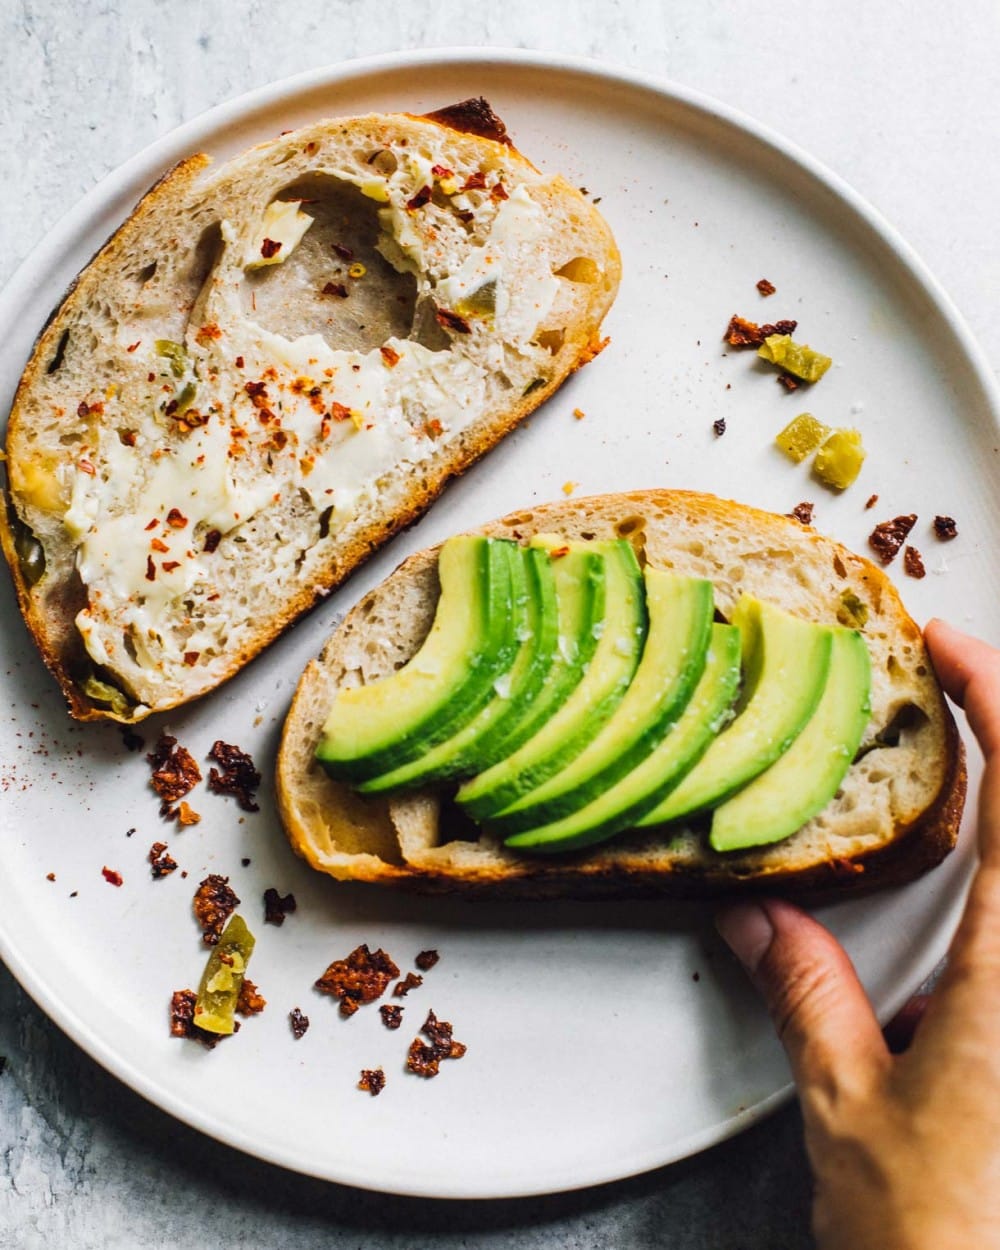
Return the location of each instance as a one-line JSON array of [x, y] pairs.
[[602, 1039]]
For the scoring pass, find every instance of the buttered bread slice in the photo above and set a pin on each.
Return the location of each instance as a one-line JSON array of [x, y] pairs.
[[271, 368]]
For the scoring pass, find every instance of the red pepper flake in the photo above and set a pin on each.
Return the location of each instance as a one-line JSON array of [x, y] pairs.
[[442, 171], [150, 569], [719, 426], [208, 333], [390, 356], [425, 1060], [361, 978], [452, 321], [339, 412], [433, 428], [887, 537], [557, 553], [426, 960], [128, 437], [269, 248], [475, 182], [913, 563], [945, 528], [410, 982], [871, 501], [239, 362], [191, 658], [249, 1001], [276, 907], [257, 392], [132, 346], [212, 540], [372, 1080], [162, 864], [175, 772], [298, 1022], [392, 1015], [159, 545], [498, 191], [214, 902], [238, 777], [420, 199], [336, 288], [788, 381], [176, 519], [765, 287], [803, 513], [742, 332], [111, 876], [168, 566], [343, 251], [50, 876], [153, 524], [86, 466]]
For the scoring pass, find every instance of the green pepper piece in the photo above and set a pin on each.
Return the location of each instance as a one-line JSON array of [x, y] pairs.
[[215, 1006], [853, 612], [482, 302], [802, 435], [103, 692], [29, 551], [185, 399], [175, 354], [795, 358]]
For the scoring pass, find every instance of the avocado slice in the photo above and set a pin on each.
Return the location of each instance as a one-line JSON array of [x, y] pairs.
[[471, 643], [577, 720], [785, 663], [680, 623], [537, 630], [687, 739], [801, 782]]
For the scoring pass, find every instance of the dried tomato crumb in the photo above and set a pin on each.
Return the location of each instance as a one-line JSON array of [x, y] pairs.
[[410, 982], [392, 1015], [945, 528], [238, 776], [111, 876], [913, 563], [887, 537], [372, 1080], [298, 1022], [276, 907], [426, 960], [361, 978], [214, 902]]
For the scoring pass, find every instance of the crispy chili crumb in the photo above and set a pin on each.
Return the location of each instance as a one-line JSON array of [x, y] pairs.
[[162, 864], [719, 426], [299, 1023], [269, 248], [426, 960], [214, 902], [945, 528], [420, 199], [744, 333], [789, 381], [373, 1080], [803, 512], [392, 1015], [111, 876], [913, 563], [238, 777], [335, 288], [360, 978], [131, 740], [887, 537], [175, 772], [765, 287], [452, 321], [390, 356], [249, 1001], [182, 1003], [410, 982], [277, 908], [425, 1060]]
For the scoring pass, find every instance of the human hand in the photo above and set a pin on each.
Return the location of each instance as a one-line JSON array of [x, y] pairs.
[[905, 1149]]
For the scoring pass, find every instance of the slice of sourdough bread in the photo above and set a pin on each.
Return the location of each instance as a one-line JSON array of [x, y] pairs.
[[896, 814], [270, 369]]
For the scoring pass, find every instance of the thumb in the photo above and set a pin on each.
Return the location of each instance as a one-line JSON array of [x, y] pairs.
[[819, 1008]]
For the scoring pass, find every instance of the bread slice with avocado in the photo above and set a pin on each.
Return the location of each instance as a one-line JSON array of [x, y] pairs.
[[271, 368], [864, 721]]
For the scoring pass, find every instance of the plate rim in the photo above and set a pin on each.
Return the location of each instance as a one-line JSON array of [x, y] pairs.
[[142, 168]]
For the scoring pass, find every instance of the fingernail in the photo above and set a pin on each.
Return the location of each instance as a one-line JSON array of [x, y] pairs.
[[747, 930]]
